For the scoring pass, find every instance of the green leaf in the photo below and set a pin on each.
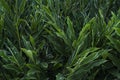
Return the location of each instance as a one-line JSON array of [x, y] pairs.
[[115, 60], [115, 73], [5, 5], [22, 6], [44, 65], [32, 71], [4, 55], [12, 67], [117, 30], [32, 41], [115, 42], [16, 55], [59, 76], [84, 54], [48, 12], [70, 30], [81, 71], [28, 53], [28, 78], [77, 44], [26, 43]]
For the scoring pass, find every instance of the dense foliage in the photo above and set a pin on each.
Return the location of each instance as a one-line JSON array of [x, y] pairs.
[[59, 40]]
